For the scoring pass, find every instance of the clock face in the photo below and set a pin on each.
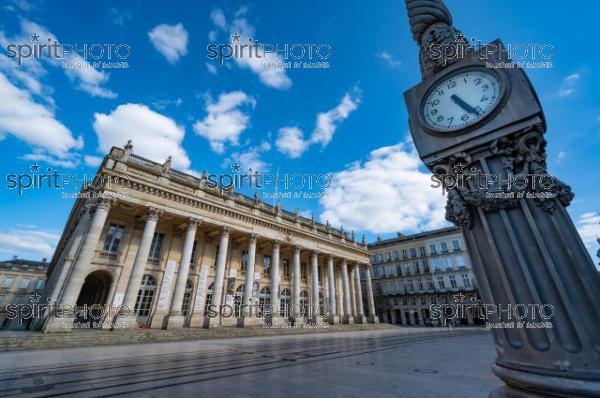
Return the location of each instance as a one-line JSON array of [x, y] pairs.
[[461, 99]]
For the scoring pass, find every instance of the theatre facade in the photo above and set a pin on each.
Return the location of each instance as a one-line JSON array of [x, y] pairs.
[[162, 249]]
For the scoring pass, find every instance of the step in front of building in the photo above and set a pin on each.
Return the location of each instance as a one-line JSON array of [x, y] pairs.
[[30, 340]]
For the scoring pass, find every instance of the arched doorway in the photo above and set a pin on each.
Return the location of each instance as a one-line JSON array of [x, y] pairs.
[[90, 307], [209, 296], [187, 301], [145, 298]]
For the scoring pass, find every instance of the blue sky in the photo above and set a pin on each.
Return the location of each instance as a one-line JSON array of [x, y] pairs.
[[348, 120]]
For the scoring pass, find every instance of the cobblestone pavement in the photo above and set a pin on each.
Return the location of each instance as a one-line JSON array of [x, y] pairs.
[[380, 363]]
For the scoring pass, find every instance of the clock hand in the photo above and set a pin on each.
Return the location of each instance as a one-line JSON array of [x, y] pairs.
[[463, 104]]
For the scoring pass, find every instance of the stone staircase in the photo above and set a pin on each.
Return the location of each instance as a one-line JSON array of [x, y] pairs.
[[32, 340]]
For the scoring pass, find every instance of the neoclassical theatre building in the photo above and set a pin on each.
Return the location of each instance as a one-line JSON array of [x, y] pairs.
[[169, 248]]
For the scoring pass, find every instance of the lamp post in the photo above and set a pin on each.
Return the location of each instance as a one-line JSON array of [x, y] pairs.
[[469, 122]]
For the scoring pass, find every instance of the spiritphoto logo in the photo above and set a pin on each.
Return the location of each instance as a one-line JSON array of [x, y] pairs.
[[293, 55], [86, 185], [497, 316], [283, 184], [523, 55], [71, 55]]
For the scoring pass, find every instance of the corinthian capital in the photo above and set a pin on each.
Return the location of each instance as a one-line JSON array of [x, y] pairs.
[[152, 213]]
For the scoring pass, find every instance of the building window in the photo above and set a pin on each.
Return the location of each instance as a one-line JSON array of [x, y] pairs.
[[286, 268], [455, 245], [430, 283], [444, 247], [267, 265], [422, 250], [303, 271], [436, 264], [194, 250], [453, 281], [303, 302], [319, 274], [284, 302], [441, 283], [8, 281], [209, 296], [143, 303], [238, 300], [432, 248], [406, 269], [416, 267], [413, 252], [411, 288], [264, 300], [466, 280], [404, 300], [39, 285], [404, 255], [244, 260], [113, 238], [448, 262], [420, 284], [187, 298], [425, 266], [155, 247], [24, 283], [460, 260], [396, 255]]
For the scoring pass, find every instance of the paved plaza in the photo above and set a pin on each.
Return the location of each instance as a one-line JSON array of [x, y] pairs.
[[403, 362]]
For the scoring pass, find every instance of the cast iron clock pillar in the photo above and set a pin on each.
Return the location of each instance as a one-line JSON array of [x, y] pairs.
[[525, 250]]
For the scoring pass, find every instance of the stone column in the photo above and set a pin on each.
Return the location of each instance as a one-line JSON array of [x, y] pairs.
[[139, 266], [360, 314], [80, 268], [175, 319], [348, 318], [333, 318], [275, 317], [352, 279], [340, 294], [249, 313], [314, 265], [219, 278], [372, 315], [296, 313]]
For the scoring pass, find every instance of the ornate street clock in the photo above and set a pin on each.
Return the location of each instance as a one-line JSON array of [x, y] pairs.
[[478, 114]]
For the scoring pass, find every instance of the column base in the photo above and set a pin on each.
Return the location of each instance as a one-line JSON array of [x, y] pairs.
[[360, 319], [276, 320], [212, 322], [521, 384], [198, 321], [62, 324], [158, 319], [249, 320], [348, 320], [373, 319], [173, 321], [334, 320]]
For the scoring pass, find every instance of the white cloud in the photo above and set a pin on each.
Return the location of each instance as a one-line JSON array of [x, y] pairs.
[[251, 159], [92, 161], [34, 123], [28, 241], [89, 80], [154, 136], [272, 77], [211, 69], [386, 193], [588, 226], [327, 122], [568, 85], [290, 141], [224, 121], [218, 19], [565, 92], [170, 40], [574, 76], [119, 17], [389, 59]]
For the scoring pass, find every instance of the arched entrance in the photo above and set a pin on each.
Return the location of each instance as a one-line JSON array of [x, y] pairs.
[[91, 302], [187, 301]]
